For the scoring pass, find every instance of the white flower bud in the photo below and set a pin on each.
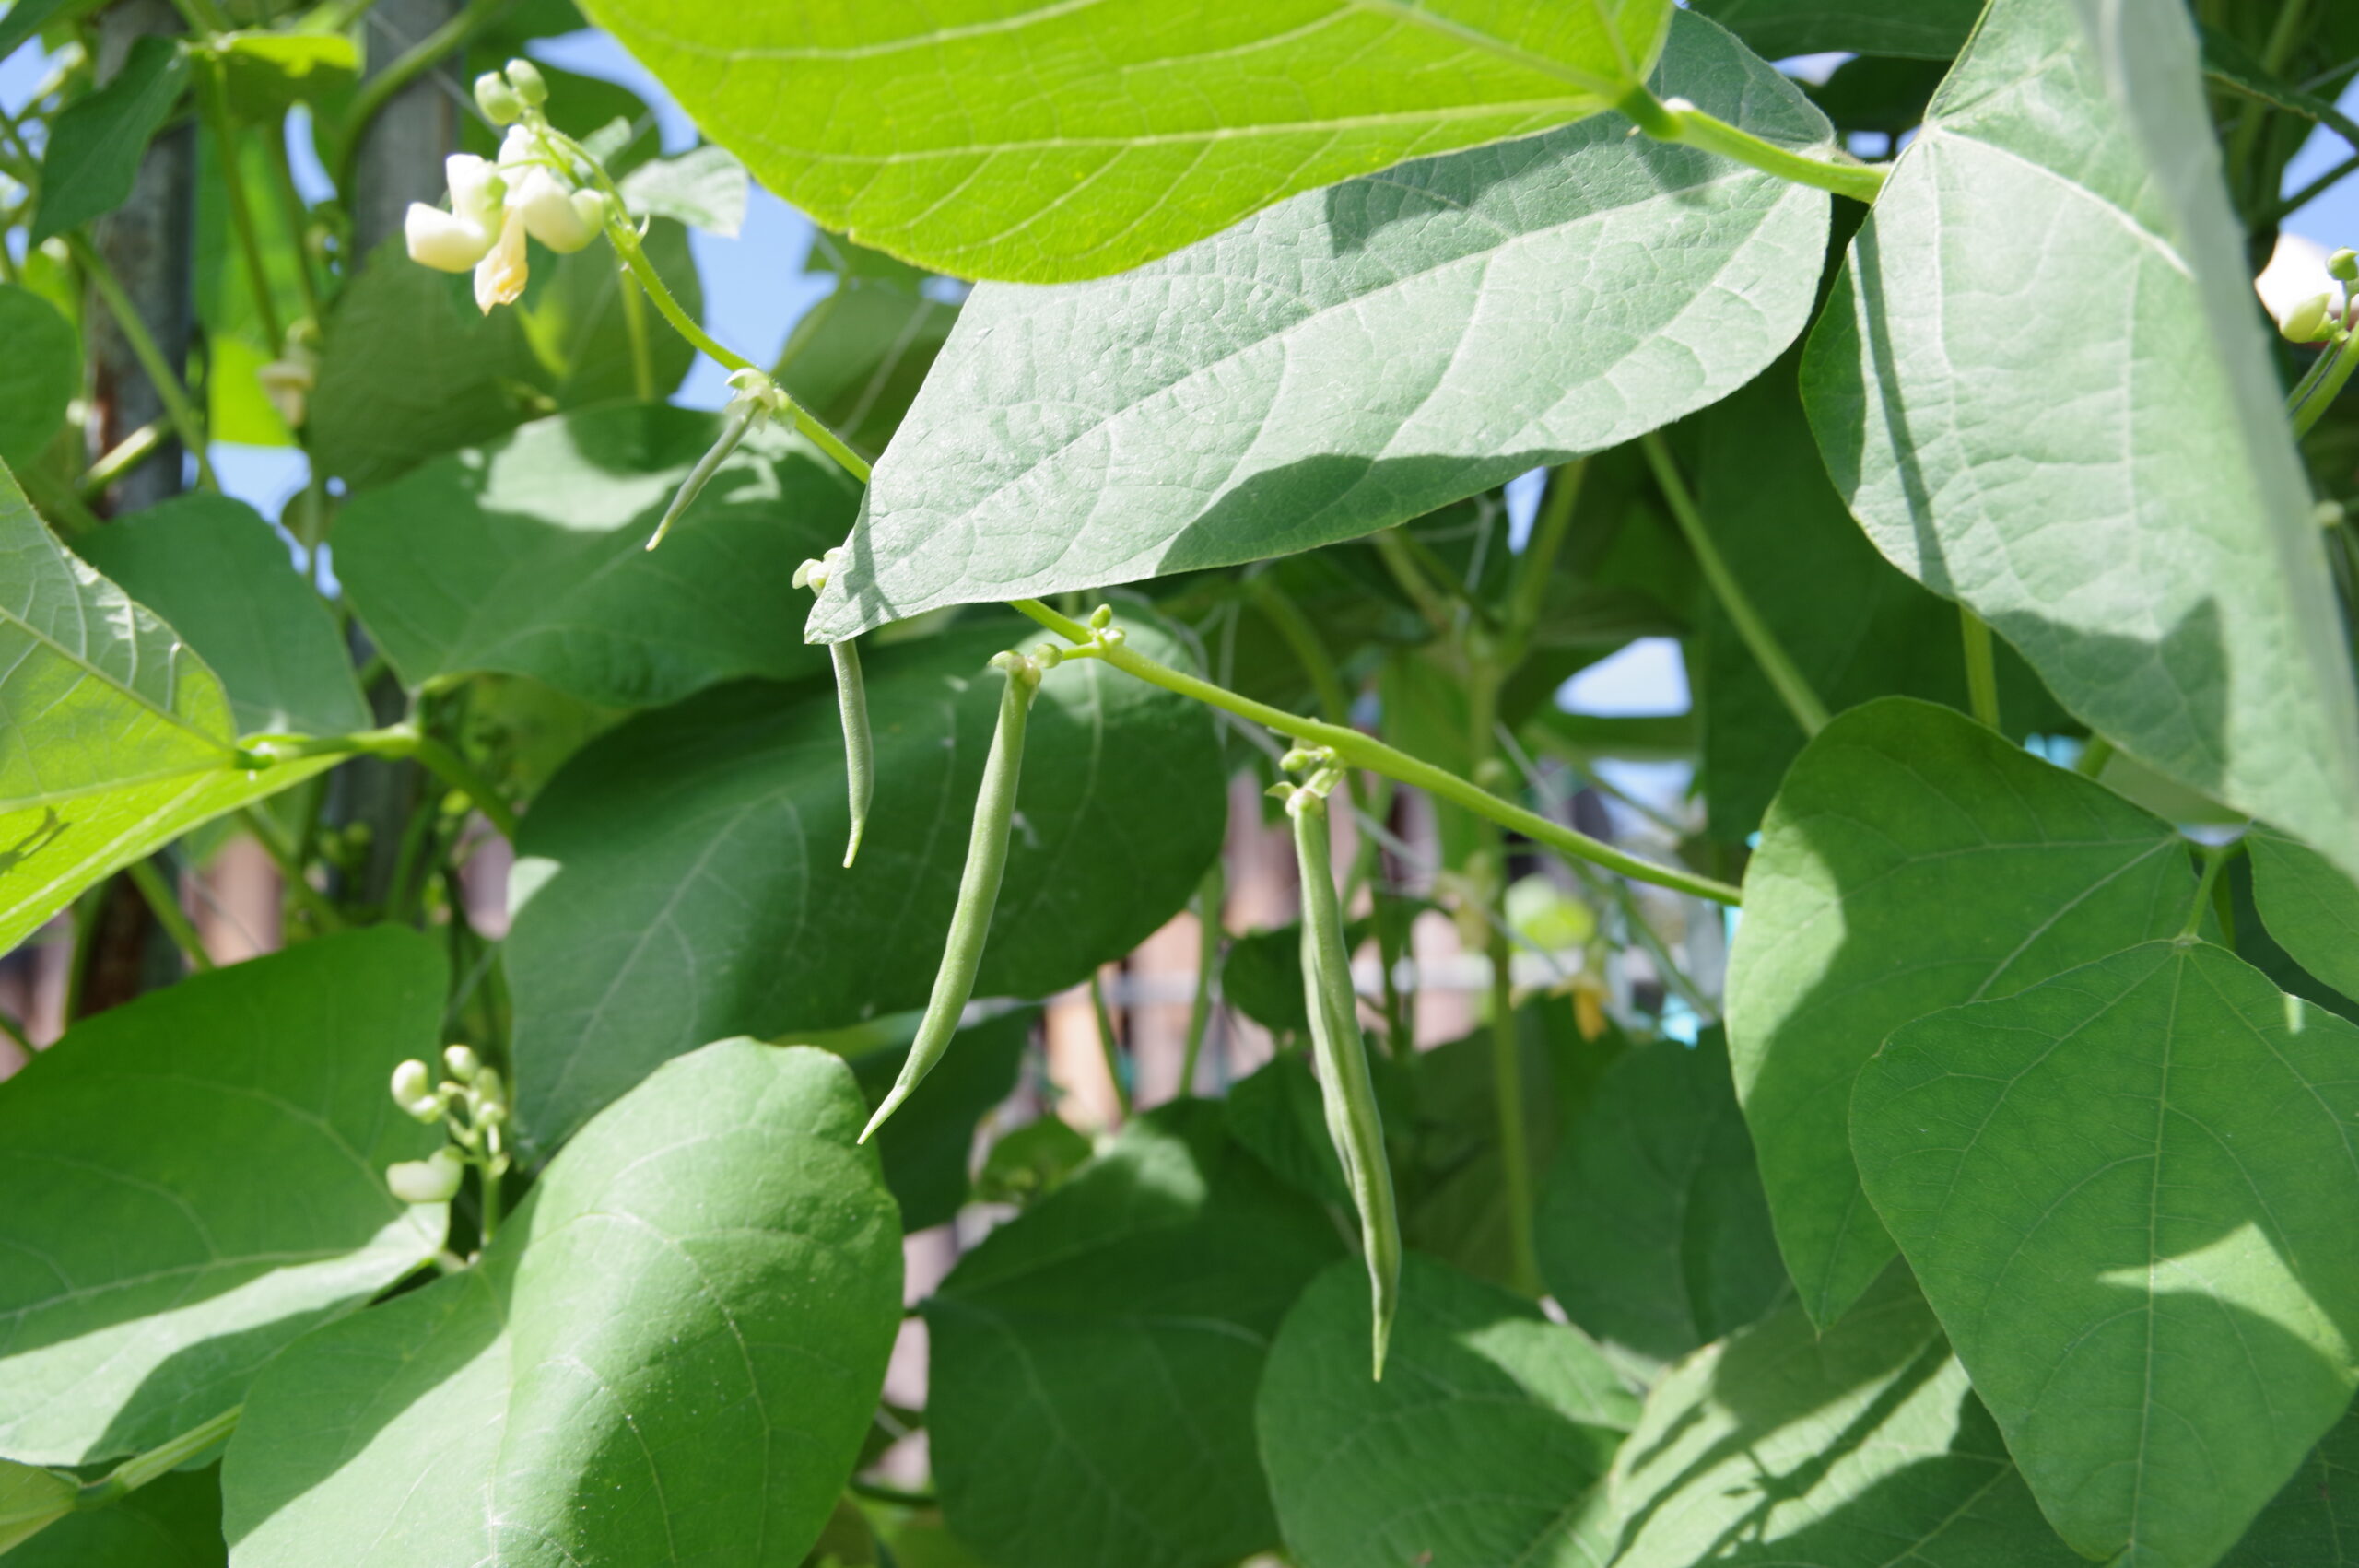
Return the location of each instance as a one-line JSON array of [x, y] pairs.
[[2306, 323], [462, 1062], [443, 240], [499, 276], [526, 79], [518, 148], [477, 191], [499, 102], [434, 1179], [553, 214], [414, 1090]]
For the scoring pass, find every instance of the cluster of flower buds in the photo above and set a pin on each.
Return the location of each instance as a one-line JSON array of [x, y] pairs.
[[473, 1103], [497, 203], [2320, 316]]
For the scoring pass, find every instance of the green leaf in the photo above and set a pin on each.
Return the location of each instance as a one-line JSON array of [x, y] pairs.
[[2220, 661], [526, 556], [1485, 1443], [1276, 1112], [2310, 907], [857, 359], [1862, 1447], [1351, 360], [197, 1177], [682, 876], [1926, 30], [31, 1500], [39, 375], [2128, 1192], [1046, 142], [1913, 860], [926, 1146], [115, 738], [2306, 1524], [223, 578], [1095, 1360], [705, 188], [268, 73], [1652, 1232], [1855, 626], [1452, 1181], [410, 368], [23, 21], [96, 143], [173, 1522], [670, 1354], [1261, 974], [1031, 1161]]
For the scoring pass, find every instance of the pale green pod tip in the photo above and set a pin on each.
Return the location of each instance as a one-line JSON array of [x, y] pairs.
[[860, 746]]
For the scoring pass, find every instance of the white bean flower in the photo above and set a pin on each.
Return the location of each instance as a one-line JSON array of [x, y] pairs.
[[494, 206]]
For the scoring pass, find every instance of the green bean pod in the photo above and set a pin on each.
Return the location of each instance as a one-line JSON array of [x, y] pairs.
[[1353, 1121], [962, 954], [859, 748], [735, 421]]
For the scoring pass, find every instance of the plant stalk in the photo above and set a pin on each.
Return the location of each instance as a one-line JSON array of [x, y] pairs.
[[1679, 121], [1981, 665], [159, 1462], [1368, 752], [168, 388], [1768, 652], [165, 901]]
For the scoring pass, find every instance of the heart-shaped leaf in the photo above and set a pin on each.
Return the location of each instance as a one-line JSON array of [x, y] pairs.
[[670, 1354], [195, 1178], [1913, 860], [526, 557], [1095, 1360], [173, 1522], [2128, 1192], [1486, 1442], [1862, 1447], [1048, 142], [2306, 1524], [1652, 1233], [221, 577], [1352, 359], [115, 738], [2220, 660], [682, 877], [2310, 907]]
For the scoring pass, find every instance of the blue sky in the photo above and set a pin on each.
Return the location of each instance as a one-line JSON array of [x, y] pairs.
[[755, 286]]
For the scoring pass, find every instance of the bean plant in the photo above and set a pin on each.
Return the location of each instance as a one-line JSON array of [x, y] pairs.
[[1299, 393]]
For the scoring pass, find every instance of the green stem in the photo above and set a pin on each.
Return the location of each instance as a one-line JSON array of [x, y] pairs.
[[15, 1034], [1392, 549], [487, 1182], [876, 1491], [161, 1460], [1487, 876], [162, 898], [1108, 1044], [406, 742], [2304, 196], [642, 354], [1981, 665], [144, 349], [1549, 531], [1767, 652], [297, 217], [1210, 896], [310, 899], [213, 103], [1681, 122], [2094, 756], [1368, 752], [126, 454], [1303, 639], [859, 745], [2215, 859], [377, 91], [2316, 392]]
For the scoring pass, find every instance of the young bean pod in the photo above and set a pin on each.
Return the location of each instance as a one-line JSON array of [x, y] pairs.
[[860, 750], [1353, 1121], [962, 954], [734, 422]]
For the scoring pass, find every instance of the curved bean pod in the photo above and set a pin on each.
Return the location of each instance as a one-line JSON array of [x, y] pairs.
[[962, 954], [860, 749], [1353, 1121], [735, 421]]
